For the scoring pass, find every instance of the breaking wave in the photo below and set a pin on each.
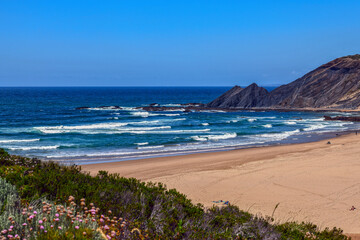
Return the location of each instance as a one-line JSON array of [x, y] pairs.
[[34, 148], [19, 141], [214, 137]]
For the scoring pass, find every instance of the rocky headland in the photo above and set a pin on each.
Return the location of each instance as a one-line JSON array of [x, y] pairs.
[[334, 85]]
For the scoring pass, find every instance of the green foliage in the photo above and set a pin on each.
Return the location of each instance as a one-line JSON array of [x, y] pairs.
[[70, 234], [303, 230], [41, 219]]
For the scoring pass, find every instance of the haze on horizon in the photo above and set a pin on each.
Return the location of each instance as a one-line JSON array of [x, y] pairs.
[[171, 43]]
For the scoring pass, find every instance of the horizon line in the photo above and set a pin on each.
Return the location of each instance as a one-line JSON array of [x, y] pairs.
[[126, 86]]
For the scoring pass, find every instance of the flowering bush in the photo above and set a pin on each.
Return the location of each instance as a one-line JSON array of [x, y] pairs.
[[42, 218]]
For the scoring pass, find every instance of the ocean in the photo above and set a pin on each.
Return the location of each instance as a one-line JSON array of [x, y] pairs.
[[44, 123]]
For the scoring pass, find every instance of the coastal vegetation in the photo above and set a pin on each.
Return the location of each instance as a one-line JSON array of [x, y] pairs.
[[45, 200]]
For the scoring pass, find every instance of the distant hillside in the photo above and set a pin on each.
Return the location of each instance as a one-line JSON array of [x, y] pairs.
[[335, 84]]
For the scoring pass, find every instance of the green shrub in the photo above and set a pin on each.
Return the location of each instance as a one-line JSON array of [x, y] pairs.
[[41, 219]]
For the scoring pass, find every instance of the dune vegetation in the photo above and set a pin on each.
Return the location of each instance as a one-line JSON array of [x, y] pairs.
[[45, 200]]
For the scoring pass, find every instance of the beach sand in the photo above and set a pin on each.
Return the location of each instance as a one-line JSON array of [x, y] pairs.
[[316, 182]]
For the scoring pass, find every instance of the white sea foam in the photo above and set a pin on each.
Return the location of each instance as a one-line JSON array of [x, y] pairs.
[[276, 136], [129, 109], [142, 143], [232, 121], [112, 108], [135, 130], [179, 119], [221, 137], [214, 137], [205, 124], [265, 117], [154, 122], [171, 131], [143, 128], [34, 148], [108, 125], [140, 114], [314, 119], [267, 126], [314, 127], [171, 105], [151, 147], [290, 122], [104, 131], [199, 138], [147, 114], [176, 110], [19, 141], [252, 119], [170, 114], [81, 127]]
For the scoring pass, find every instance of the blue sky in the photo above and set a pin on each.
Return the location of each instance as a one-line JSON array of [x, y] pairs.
[[171, 43]]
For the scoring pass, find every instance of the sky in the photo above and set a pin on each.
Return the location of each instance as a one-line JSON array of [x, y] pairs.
[[171, 43]]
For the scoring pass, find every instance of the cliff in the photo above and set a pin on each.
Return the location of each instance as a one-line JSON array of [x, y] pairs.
[[335, 84]]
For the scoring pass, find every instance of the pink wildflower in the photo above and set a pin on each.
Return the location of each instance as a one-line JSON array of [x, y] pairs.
[[40, 221], [77, 227]]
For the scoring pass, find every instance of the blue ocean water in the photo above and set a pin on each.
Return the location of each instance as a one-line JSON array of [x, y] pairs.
[[44, 123]]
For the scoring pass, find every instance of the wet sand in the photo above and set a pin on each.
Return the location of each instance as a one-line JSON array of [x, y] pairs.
[[316, 182]]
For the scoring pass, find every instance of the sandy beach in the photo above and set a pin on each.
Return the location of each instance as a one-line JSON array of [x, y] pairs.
[[316, 182]]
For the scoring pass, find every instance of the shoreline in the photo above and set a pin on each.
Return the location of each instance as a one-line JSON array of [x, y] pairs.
[[113, 166], [312, 181], [296, 139]]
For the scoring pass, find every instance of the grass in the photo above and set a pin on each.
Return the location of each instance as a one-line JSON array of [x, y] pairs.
[[130, 209]]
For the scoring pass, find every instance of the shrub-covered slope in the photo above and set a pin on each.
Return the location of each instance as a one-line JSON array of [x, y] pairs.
[[151, 211]]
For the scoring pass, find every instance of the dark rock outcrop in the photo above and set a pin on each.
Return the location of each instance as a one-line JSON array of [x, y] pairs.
[[226, 100], [342, 118], [101, 107], [333, 85], [251, 96]]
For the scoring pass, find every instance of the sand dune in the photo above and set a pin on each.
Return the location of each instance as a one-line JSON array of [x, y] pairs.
[[315, 182]]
